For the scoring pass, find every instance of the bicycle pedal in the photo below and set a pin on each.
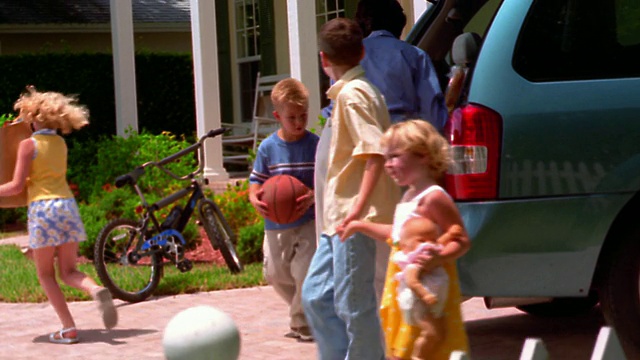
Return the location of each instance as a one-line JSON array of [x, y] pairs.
[[185, 265]]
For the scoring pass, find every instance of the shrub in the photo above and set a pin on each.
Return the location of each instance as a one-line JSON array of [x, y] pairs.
[[165, 91], [100, 201], [12, 216], [244, 220], [235, 206], [250, 240], [93, 165]]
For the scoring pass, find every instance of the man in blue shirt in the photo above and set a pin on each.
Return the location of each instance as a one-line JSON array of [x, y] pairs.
[[403, 73]]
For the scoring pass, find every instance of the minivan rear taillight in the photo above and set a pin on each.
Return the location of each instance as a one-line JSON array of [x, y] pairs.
[[475, 135]]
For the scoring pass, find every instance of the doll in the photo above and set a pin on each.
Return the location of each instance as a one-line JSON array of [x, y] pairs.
[[423, 294]]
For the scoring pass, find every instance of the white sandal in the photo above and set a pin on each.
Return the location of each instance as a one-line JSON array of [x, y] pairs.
[[58, 336]]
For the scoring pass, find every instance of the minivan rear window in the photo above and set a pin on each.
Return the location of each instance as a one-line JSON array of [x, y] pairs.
[[579, 40]]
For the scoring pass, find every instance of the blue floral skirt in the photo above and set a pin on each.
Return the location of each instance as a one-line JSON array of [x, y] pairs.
[[54, 222]]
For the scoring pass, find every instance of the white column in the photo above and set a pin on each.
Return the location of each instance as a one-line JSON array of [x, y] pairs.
[[303, 53], [419, 6], [205, 69], [124, 68]]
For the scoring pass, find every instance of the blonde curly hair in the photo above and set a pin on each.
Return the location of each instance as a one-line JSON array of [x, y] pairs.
[[421, 138], [52, 110]]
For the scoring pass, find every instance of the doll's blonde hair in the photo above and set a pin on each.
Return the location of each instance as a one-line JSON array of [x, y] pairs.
[[52, 110], [289, 91], [421, 138]]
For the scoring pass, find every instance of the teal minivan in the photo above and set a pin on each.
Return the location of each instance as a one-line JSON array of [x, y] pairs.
[[545, 133]]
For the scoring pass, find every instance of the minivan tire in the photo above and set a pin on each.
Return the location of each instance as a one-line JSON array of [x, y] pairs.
[[620, 292], [562, 307]]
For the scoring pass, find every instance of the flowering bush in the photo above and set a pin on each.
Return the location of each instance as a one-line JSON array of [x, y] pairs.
[[93, 177], [244, 220], [235, 206]]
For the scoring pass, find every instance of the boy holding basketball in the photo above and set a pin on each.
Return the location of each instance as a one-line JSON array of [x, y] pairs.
[[288, 248], [338, 294]]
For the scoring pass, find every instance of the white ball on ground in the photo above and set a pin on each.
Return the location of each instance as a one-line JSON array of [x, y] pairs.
[[201, 332]]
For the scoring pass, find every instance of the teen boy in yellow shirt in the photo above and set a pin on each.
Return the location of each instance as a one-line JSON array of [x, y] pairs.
[[338, 294]]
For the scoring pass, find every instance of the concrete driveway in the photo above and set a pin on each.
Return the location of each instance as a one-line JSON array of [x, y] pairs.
[[262, 319]]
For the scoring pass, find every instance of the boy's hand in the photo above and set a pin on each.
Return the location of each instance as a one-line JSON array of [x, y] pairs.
[[260, 206], [304, 202]]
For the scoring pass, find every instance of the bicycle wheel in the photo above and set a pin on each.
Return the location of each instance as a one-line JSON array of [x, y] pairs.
[[219, 234], [127, 278]]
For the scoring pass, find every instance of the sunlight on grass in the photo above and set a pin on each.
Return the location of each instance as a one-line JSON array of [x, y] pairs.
[[19, 282]]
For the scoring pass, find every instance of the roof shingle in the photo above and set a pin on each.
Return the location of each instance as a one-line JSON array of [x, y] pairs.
[[89, 11]]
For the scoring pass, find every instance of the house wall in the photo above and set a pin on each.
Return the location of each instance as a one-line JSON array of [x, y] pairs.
[[17, 43]]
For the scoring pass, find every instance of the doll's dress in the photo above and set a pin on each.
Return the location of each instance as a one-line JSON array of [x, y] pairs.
[[399, 336], [436, 282]]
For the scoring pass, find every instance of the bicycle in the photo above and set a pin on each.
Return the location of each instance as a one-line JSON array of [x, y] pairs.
[[141, 246]]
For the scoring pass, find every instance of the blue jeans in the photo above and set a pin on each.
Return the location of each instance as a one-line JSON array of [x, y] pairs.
[[339, 299]]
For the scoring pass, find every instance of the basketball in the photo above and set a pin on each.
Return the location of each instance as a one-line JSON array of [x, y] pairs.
[[280, 194]]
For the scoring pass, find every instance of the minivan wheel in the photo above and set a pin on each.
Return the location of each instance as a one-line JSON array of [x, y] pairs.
[[620, 293], [559, 307]]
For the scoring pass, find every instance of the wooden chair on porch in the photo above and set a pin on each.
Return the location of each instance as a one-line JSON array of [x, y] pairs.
[[247, 137]]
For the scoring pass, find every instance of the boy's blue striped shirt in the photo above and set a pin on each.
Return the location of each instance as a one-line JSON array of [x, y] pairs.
[[276, 156]]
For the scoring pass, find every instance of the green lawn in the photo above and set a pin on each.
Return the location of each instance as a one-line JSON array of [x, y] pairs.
[[19, 282]]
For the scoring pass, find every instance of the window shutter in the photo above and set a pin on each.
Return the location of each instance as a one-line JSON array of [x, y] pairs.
[[224, 60], [267, 38], [350, 7]]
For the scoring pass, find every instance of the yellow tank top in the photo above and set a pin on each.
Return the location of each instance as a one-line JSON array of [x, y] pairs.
[[48, 176]]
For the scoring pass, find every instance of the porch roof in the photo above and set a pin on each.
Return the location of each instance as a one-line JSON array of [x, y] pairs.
[[19, 12]]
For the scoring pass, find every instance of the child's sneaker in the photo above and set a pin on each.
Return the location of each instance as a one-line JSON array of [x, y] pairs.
[[108, 310]]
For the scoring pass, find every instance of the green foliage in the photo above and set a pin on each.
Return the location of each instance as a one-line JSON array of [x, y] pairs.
[[11, 216], [322, 120], [235, 206], [250, 240], [6, 118], [114, 156], [100, 201], [165, 89], [244, 220], [94, 219]]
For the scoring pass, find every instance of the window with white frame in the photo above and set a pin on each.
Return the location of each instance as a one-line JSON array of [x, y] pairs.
[[247, 34], [327, 10]]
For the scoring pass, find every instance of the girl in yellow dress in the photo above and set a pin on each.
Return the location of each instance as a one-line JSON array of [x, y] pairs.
[[417, 157]]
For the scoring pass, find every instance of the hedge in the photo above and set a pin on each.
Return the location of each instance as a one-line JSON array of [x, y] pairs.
[[164, 82]]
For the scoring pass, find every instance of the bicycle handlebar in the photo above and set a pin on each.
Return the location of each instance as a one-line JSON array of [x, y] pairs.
[[183, 152], [132, 177]]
